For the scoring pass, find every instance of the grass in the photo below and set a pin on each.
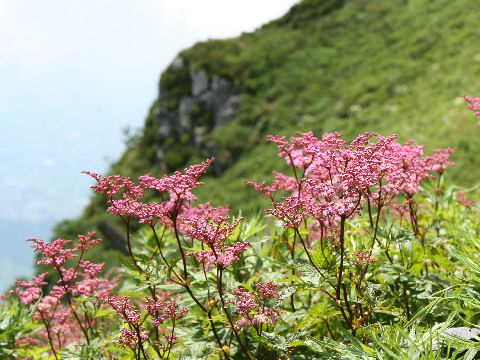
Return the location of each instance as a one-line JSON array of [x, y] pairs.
[[350, 66]]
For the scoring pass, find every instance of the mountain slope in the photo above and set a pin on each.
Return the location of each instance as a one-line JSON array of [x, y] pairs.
[[341, 65]]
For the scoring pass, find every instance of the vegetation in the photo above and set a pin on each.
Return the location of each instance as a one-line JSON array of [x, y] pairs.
[[365, 253], [348, 66], [362, 254]]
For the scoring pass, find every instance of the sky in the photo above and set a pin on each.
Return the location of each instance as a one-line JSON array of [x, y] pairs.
[[74, 74]]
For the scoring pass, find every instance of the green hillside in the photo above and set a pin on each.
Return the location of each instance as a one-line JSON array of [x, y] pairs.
[[351, 66]]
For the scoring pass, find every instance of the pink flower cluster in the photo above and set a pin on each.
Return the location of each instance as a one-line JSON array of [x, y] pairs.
[[62, 323], [169, 310], [55, 254], [136, 333], [245, 301], [439, 161], [124, 309], [363, 257], [124, 197], [207, 224], [214, 233], [474, 104], [211, 226], [58, 316], [131, 338], [32, 289], [334, 179], [464, 200], [252, 306], [268, 290]]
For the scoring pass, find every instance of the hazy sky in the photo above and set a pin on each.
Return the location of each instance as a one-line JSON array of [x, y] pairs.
[[73, 75]]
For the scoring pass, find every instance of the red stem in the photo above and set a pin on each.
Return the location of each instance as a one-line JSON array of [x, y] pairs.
[[220, 292], [49, 336]]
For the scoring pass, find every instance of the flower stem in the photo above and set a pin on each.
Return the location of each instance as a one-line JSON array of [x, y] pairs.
[[49, 336], [342, 253], [220, 292]]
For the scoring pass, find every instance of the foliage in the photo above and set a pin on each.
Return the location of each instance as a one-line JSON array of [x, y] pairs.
[[349, 66], [16, 324], [365, 253]]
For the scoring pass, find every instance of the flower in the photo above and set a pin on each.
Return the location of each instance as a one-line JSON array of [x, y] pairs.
[[363, 257], [474, 105], [251, 312], [334, 179], [124, 197], [162, 310], [32, 290], [214, 234]]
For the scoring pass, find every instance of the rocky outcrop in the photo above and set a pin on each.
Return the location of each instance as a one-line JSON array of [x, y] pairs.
[[192, 103]]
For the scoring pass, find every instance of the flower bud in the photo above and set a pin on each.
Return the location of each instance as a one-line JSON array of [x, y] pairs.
[[212, 303], [226, 349]]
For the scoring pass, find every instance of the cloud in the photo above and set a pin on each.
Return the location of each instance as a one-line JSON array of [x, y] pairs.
[[73, 135], [67, 59], [113, 35], [48, 162]]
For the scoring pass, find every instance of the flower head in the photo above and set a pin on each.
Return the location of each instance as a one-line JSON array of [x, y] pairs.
[[474, 105], [32, 289]]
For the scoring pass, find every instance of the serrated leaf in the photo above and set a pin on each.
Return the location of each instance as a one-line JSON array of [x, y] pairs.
[[285, 294]]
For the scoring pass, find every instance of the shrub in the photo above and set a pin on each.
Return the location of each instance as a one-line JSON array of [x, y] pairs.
[[356, 258]]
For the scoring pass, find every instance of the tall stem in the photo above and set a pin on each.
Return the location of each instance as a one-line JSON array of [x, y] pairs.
[[207, 311], [70, 303], [342, 253], [180, 248], [129, 246], [292, 254], [311, 260], [375, 231], [159, 244], [374, 239], [171, 339], [187, 287], [220, 292], [49, 336], [436, 193], [369, 210], [413, 217], [338, 289], [140, 343]]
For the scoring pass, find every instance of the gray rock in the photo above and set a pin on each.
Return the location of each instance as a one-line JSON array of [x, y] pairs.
[[161, 159], [463, 332], [227, 110], [186, 104], [221, 90], [177, 63], [219, 84], [198, 135], [165, 130], [199, 81], [174, 115], [206, 98]]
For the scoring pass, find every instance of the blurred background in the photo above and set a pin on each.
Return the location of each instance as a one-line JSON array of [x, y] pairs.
[[129, 87], [77, 80]]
